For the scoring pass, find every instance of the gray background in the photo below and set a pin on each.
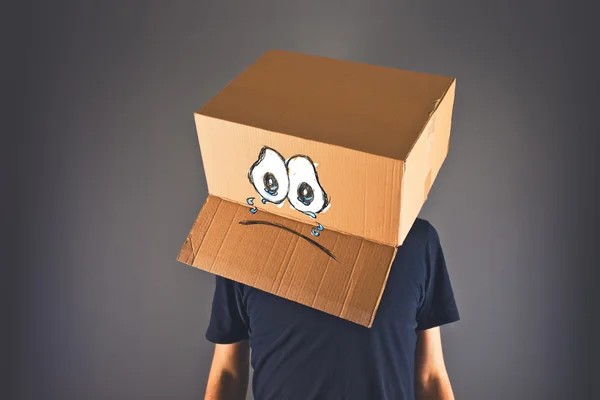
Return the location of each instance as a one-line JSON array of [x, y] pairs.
[[109, 179]]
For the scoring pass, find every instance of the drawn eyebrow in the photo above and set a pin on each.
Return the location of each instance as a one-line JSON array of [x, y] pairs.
[[320, 246]]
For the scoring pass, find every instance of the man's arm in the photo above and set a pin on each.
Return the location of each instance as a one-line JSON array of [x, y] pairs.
[[431, 378], [229, 372]]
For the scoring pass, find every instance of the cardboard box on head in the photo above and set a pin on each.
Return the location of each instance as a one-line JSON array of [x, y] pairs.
[[316, 170]]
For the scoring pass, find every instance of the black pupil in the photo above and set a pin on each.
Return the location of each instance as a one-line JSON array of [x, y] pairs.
[[271, 184], [305, 193]]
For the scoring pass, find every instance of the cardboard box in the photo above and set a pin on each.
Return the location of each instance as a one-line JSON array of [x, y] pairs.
[[316, 171]]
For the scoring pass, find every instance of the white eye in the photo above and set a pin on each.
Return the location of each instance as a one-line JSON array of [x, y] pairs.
[[269, 176], [306, 194]]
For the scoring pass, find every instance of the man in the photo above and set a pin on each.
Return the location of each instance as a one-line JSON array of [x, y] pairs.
[[301, 353]]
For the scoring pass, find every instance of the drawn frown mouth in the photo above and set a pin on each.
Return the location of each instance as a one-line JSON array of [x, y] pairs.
[[308, 239]]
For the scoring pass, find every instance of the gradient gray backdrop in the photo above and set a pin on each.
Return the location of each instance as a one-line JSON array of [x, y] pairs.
[[110, 179]]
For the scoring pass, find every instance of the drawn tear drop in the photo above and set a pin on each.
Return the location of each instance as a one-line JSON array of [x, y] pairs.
[[314, 232], [320, 227], [264, 201], [310, 214], [250, 201]]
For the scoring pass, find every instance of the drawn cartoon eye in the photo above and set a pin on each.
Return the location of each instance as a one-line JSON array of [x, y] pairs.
[[271, 184], [269, 176], [306, 194]]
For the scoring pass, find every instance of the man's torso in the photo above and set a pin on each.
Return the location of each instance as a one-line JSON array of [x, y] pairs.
[[299, 352]]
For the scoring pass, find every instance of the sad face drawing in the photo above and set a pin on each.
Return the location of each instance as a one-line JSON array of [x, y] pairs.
[[296, 180]]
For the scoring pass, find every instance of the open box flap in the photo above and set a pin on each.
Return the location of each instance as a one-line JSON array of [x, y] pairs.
[[339, 274]]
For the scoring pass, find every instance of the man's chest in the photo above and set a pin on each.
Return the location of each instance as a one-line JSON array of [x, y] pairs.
[[398, 306], [403, 293]]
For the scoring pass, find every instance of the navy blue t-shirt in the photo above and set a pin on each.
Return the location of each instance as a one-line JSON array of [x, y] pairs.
[[305, 354]]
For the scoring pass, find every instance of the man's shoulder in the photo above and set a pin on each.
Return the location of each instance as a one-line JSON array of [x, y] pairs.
[[423, 233], [422, 228]]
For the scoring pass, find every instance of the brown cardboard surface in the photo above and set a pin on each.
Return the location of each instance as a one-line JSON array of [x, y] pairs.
[[332, 156], [374, 109], [424, 162], [267, 252], [379, 136], [364, 189]]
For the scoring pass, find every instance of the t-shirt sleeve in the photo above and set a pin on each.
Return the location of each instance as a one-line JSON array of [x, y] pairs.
[[437, 306], [228, 318]]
